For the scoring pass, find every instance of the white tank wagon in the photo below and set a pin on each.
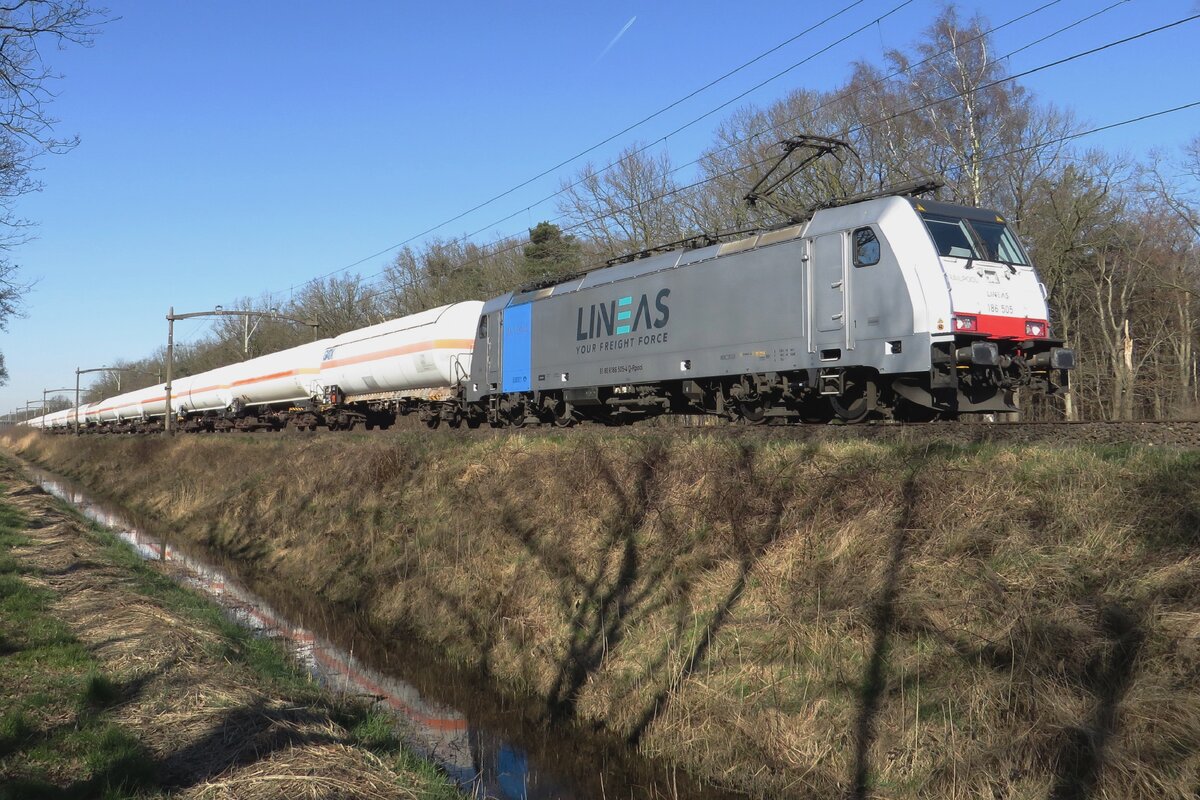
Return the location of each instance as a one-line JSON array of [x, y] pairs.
[[289, 376], [117, 409], [198, 394], [266, 392], [412, 363], [364, 376], [124, 413], [57, 420], [151, 403]]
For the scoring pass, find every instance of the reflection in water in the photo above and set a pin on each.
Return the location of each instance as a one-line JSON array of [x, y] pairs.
[[479, 760]]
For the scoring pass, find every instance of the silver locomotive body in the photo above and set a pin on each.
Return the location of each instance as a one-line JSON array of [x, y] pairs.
[[875, 307]]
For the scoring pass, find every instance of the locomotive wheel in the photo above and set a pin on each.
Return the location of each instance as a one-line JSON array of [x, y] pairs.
[[816, 411], [755, 413], [433, 422], [561, 413], [856, 401], [907, 411]]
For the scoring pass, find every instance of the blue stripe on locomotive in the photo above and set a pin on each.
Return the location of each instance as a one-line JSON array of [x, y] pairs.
[[517, 357]]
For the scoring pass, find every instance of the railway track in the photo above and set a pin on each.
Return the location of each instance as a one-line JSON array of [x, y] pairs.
[[1174, 434], [1184, 434], [1178, 434]]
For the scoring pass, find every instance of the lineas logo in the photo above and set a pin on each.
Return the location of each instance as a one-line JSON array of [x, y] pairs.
[[622, 316]]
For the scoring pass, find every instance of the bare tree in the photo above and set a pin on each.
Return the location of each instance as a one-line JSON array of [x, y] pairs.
[[634, 204], [448, 271], [970, 118], [338, 304], [26, 129]]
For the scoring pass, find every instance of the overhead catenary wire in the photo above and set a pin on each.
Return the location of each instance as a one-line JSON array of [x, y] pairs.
[[597, 145], [1015, 151], [776, 127], [519, 238], [467, 237], [519, 241]]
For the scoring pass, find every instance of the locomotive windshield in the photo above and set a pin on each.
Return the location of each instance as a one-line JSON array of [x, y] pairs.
[[959, 237]]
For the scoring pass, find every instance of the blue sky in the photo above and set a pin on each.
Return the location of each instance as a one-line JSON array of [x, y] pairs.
[[236, 148]]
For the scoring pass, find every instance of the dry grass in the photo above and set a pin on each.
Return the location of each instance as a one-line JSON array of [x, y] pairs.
[[316, 772], [852, 619], [209, 725]]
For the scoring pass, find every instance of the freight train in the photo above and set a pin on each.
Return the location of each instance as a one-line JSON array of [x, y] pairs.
[[895, 307]]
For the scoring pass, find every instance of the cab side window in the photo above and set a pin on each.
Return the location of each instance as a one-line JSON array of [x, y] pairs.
[[866, 247], [483, 326]]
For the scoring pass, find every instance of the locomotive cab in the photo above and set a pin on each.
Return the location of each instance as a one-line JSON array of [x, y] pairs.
[[995, 334]]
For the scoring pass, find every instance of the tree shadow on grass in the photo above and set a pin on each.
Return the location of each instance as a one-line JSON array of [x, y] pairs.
[[120, 764], [1082, 755], [750, 545], [241, 736], [123, 766], [600, 607], [883, 618], [1169, 503]]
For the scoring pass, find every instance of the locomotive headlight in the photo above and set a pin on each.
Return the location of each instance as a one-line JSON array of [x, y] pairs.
[[966, 323], [1035, 328]]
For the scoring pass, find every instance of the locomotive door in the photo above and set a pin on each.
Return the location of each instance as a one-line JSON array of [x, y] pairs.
[[493, 349], [517, 346], [827, 290]]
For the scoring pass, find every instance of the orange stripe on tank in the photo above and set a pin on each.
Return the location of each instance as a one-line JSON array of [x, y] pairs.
[[418, 347]]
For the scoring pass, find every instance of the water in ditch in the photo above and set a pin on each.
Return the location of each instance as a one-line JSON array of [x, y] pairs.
[[492, 745]]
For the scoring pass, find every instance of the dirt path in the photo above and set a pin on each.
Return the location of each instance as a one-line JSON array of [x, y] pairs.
[[213, 725]]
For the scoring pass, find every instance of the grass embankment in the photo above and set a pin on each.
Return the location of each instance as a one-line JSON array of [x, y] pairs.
[[116, 683], [793, 620]]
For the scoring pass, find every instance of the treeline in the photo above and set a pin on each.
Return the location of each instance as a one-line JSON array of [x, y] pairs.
[[1114, 236]]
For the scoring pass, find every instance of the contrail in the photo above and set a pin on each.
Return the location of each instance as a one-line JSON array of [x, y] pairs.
[[616, 38]]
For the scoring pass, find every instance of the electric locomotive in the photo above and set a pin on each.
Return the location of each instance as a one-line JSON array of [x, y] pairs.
[[895, 306]]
